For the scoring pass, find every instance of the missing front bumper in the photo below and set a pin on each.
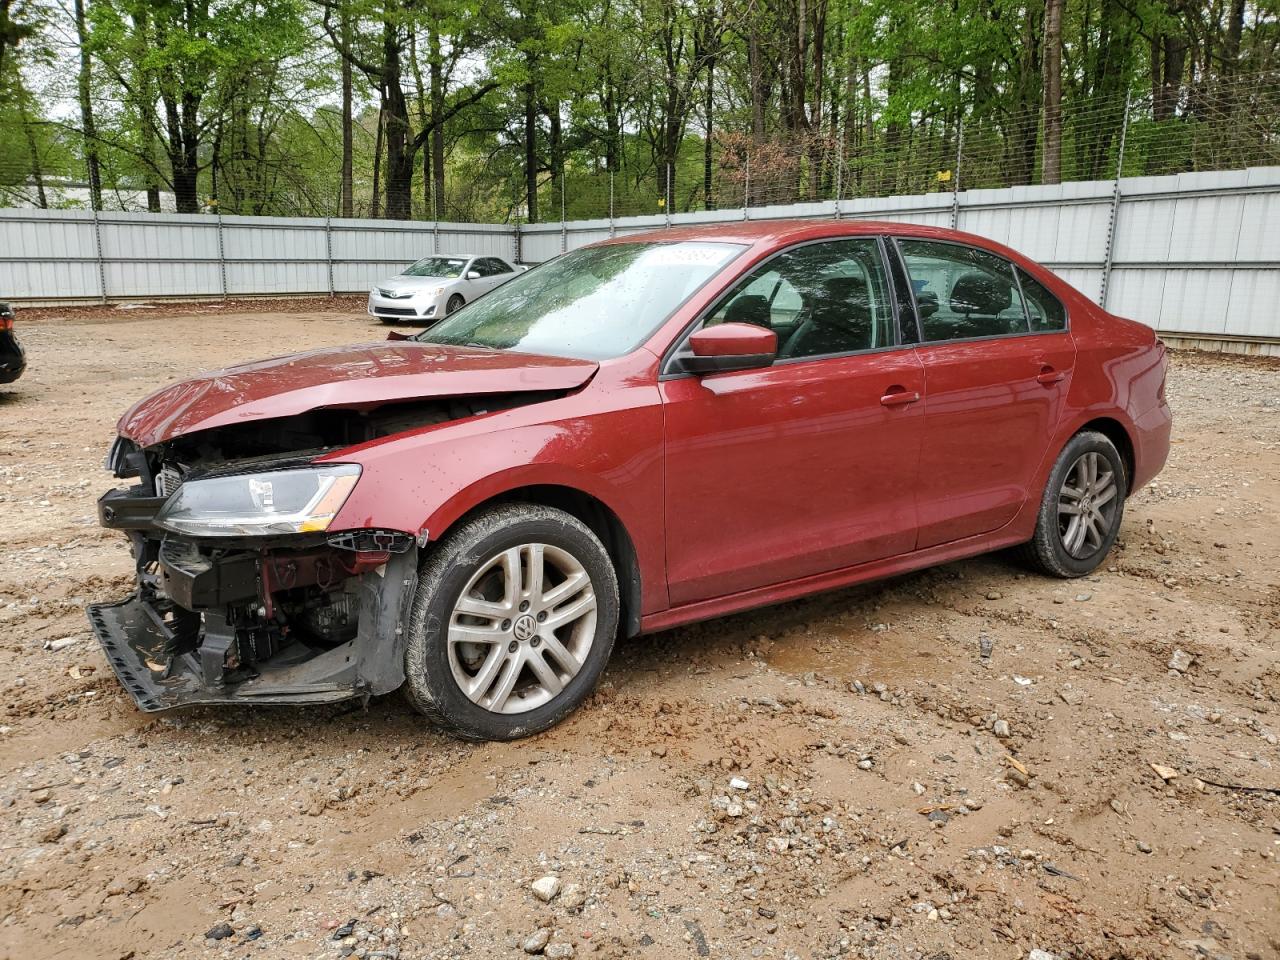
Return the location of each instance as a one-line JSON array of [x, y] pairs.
[[135, 636]]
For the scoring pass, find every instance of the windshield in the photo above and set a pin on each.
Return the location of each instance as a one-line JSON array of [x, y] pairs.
[[591, 304], [449, 267]]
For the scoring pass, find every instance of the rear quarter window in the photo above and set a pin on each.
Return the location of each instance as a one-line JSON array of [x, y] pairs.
[[1044, 310]]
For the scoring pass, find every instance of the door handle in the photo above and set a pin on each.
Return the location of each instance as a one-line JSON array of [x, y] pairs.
[[898, 397], [1049, 375]]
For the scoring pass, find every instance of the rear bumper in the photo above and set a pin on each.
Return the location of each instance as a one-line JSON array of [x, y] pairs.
[[1153, 430], [13, 361]]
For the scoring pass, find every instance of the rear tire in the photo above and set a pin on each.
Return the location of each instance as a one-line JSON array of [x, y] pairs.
[[1081, 508], [512, 623]]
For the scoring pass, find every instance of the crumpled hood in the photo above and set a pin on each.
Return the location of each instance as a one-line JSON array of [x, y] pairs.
[[357, 377]]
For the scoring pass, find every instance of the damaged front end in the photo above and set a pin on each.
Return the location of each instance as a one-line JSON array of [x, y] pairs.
[[243, 595], [245, 592]]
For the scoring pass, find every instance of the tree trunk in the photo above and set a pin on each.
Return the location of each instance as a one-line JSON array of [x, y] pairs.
[[1168, 57], [424, 120], [671, 133], [1235, 30], [185, 184], [143, 102], [708, 107], [215, 166], [375, 210], [396, 134], [757, 78], [437, 120], [84, 80], [33, 150], [813, 114], [348, 199], [893, 129], [531, 148], [555, 147], [1051, 166], [613, 127], [183, 148], [1024, 134], [185, 173]]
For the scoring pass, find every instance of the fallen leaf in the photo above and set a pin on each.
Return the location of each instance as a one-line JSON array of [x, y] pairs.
[[1020, 767]]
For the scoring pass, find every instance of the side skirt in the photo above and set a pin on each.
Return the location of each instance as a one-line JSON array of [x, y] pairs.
[[1008, 536]]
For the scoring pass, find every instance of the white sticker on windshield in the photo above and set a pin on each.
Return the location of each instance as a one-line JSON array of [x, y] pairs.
[[687, 255]]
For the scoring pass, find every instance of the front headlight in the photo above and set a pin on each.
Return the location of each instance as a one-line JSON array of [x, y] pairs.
[[260, 504]]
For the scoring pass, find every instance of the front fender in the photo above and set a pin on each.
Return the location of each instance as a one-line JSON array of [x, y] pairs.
[[421, 483]]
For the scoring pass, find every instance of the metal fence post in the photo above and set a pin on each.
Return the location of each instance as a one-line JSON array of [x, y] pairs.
[[611, 227], [955, 177], [102, 268], [222, 258], [839, 167], [1109, 253], [746, 190], [435, 236], [564, 234], [515, 243], [328, 253]]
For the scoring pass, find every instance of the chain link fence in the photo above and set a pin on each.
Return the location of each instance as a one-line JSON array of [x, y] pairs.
[[1218, 124]]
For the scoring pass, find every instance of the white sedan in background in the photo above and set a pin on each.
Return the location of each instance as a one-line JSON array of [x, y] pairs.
[[436, 286]]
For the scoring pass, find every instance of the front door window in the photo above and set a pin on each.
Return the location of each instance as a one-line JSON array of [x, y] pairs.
[[821, 299]]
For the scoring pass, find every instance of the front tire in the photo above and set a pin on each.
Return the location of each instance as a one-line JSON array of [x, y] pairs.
[[456, 303], [512, 624], [1081, 509]]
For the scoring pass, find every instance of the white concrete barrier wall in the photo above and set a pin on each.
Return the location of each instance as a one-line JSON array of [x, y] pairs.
[[1192, 254]]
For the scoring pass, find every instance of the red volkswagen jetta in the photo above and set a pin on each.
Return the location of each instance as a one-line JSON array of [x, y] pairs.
[[642, 433]]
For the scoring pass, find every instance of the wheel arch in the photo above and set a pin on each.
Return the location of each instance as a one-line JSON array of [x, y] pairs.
[[1118, 434], [603, 521]]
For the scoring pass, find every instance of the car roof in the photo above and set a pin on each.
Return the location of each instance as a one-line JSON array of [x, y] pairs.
[[767, 236], [777, 232], [462, 256]]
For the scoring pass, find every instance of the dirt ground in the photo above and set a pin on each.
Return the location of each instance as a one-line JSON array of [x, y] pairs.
[[844, 775]]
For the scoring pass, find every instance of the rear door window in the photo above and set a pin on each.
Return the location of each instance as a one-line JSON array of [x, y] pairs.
[[962, 292]]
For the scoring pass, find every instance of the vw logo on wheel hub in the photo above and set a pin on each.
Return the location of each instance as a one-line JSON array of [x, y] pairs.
[[525, 627]]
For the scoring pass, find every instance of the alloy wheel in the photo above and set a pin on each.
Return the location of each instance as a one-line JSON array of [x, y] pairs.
[[522, 628], [1087, 505]]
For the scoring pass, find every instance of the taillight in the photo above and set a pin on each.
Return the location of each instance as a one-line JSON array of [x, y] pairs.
[[6, 322]]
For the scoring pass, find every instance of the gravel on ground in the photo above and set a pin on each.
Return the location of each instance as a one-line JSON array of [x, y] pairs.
[[968, 762]]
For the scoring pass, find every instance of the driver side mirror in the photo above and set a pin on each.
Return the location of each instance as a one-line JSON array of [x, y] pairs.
[[473, 274], [730, 346], [397, 335]]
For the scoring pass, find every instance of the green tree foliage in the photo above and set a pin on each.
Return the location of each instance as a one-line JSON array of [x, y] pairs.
[[522, 110]]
